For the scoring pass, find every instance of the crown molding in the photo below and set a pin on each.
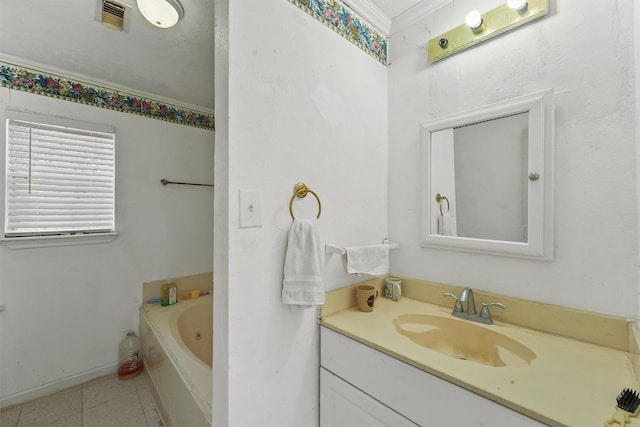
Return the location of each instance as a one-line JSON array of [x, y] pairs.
[[416, 13], [372, 14], [378, 19]]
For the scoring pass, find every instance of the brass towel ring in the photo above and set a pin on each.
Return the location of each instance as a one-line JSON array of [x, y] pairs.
[[300, 190], [439, 199]]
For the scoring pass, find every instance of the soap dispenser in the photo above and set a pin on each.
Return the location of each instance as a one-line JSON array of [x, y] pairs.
[[169, 293]]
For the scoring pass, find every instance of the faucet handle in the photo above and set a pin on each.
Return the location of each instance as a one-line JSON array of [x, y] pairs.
[[458, 307], [485, 314]]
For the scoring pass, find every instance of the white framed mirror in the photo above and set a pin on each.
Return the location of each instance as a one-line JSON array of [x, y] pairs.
[[487, 179]]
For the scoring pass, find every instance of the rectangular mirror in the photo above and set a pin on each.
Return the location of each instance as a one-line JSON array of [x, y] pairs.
[[487, 182]]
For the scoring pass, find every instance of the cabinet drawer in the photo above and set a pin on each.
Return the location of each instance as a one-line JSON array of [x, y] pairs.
[[421, 397], [342, 405]]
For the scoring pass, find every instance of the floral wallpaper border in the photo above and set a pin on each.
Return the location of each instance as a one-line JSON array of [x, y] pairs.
[[40, 83], [343, 21]]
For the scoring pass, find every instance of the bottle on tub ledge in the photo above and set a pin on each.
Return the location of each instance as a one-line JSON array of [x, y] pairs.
[[129, 356], [169, 293]]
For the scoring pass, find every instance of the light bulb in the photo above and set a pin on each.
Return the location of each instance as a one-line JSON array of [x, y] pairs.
[[519, 5], [474, 20]]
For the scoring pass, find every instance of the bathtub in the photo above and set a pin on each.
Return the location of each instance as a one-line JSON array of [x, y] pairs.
[[177, 347]]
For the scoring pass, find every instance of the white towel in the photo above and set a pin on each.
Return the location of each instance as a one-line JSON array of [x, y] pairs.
[[447, 225], [302, 284], [372, 260]]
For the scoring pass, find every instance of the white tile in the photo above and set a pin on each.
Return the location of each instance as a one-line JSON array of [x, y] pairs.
[[148, 402], [141, 380], [9, 417], [72, 421], [153, 418], [96, 393], [51, 409], [98, 380], [108, 402], [114, 412], [146, 399], [139, 421]]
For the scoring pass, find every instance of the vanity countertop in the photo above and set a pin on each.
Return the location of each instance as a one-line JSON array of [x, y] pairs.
[[570, 382]]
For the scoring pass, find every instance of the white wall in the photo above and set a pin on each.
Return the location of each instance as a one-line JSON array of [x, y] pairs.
[[637, 92], [67, 308], [591, 69], [305, 105]]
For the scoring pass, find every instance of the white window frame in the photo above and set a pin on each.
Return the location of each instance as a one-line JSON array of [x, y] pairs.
[[61, 238]]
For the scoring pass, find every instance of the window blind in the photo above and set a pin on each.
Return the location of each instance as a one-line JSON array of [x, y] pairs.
[[59, 180]]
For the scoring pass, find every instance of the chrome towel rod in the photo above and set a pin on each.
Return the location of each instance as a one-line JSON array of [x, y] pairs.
[[165, 182]]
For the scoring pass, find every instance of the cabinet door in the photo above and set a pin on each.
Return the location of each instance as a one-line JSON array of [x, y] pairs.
[[342, 405]]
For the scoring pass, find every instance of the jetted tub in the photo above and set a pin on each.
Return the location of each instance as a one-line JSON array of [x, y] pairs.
[[177, 347]]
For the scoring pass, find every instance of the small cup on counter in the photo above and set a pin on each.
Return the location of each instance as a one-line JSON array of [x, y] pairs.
[[366, 296]]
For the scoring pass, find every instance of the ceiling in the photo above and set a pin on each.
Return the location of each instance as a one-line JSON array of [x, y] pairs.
[[394, 8], [390, 16], [67, 35], [176, 64]]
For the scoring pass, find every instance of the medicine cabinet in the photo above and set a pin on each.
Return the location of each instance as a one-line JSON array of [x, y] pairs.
[[487, 181]]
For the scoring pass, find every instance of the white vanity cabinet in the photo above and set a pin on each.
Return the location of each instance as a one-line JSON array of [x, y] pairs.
[[361, 386]]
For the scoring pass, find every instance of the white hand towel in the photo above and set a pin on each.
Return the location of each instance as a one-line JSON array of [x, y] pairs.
[[372, 260], [447, 225], [302, 284]]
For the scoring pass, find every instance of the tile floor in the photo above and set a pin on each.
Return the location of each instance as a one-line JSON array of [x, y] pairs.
[[103, 402]]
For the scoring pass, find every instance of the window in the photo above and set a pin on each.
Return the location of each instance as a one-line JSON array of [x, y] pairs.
[[60, 177]]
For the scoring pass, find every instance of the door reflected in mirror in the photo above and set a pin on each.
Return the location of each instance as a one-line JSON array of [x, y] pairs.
[[487, 178]]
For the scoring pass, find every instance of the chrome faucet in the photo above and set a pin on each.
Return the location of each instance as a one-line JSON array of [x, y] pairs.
[[467, 296], [470, 312]]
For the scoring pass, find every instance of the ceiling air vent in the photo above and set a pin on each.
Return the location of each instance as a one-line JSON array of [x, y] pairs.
[[112, 15]]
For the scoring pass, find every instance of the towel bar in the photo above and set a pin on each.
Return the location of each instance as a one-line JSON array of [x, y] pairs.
[[165, 182], [330, 248]]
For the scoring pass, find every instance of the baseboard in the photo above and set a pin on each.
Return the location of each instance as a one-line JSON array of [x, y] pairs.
[[55, 386]]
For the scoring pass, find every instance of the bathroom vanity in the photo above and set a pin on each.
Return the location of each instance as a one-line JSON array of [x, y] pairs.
[[365, 387], [377, 369]]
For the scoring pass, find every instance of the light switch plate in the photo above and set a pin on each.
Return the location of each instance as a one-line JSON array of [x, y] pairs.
[[250, 208]]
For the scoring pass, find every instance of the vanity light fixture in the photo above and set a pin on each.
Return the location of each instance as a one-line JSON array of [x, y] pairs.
[[161, 13], [484, 26]]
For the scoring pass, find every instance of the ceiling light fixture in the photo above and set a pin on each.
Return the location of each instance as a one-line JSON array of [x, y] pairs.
[[161, 13]]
